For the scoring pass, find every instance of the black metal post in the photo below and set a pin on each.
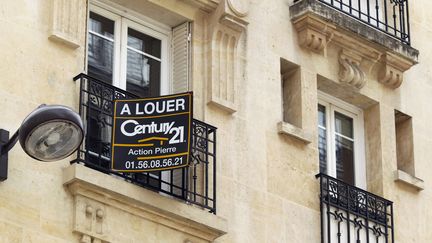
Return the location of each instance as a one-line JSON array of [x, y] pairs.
[[4, 139]]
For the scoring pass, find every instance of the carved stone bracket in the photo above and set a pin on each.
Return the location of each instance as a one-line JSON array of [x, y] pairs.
[[357, 56], [227, 26], [313, 33], [68, 22], [350, 71], [391, 74]]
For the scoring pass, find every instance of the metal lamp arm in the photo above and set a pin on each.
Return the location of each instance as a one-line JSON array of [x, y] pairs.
[[10, 143]]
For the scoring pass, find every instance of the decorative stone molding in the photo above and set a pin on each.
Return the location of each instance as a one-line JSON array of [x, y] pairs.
[[68, 22], [320, 27], [313, 33], [205, 5], [239, 7], [86, 239], [392, 72], [227, 26], [222, 80], [349, 70], [89, 221], [102, 201]]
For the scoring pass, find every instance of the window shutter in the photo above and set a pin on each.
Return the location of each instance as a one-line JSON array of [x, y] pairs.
[[181, 43]]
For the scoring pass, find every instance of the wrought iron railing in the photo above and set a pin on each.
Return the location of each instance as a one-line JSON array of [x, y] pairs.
[[388, 16], [195, 184], [350, 214]]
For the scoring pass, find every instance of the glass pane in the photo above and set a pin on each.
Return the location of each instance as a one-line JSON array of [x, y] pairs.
[[101, 25], [322, 147], [321, 116], [144, 43], [345, 159], [100, 50], [322, 139], [344, 125], [143, 75]]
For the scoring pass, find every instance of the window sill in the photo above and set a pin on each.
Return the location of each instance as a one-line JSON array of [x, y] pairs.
[[407, 179], [295, 132], [97, 192]]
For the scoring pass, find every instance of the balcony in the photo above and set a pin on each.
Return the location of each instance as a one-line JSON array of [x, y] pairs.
[[350, 214], [195, 184], [388, 16], [363, 34]]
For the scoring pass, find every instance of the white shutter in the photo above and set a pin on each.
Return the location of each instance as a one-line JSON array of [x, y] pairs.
[[181, 43], [181, 46]]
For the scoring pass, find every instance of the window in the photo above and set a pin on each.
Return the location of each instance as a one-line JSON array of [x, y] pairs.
[[340, 141], [142, 56], [127, 54]]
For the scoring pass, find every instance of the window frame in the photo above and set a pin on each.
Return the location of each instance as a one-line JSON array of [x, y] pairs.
[[123, 19], [332, 105]]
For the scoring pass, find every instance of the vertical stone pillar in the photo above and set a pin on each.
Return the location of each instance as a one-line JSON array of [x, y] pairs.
[[226, 27]]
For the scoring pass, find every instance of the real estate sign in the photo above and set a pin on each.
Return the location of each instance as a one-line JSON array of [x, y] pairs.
[[152, 134]]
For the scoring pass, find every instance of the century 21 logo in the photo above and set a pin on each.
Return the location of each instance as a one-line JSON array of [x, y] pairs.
[[165, 128], [154, 108]]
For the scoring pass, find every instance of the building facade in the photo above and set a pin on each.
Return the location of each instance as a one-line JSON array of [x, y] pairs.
[[310, 119]]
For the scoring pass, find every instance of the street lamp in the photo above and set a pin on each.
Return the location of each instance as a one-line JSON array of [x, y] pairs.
[[49, 133]]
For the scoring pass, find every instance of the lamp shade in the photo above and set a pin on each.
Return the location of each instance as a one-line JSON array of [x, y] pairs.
[[51, 132]]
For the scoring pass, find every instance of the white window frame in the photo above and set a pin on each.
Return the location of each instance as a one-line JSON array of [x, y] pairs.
[[123, 19], [333, 105]]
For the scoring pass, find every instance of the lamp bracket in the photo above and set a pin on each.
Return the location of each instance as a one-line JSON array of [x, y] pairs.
[[4, 140]]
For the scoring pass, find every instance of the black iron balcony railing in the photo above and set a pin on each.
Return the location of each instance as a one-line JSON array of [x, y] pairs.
[[388, 16], [195, 184], [350, 214]]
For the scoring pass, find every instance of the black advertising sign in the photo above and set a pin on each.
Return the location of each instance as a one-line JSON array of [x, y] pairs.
[[152, 134]]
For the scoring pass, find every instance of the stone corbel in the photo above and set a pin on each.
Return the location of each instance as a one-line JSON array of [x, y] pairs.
[[68, 22], [89, 220], [349, 70], [358, 56], [227, 26], [313, 33], [391, 74]]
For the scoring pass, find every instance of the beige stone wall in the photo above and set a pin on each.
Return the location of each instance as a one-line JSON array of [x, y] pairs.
[[266, 187]]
